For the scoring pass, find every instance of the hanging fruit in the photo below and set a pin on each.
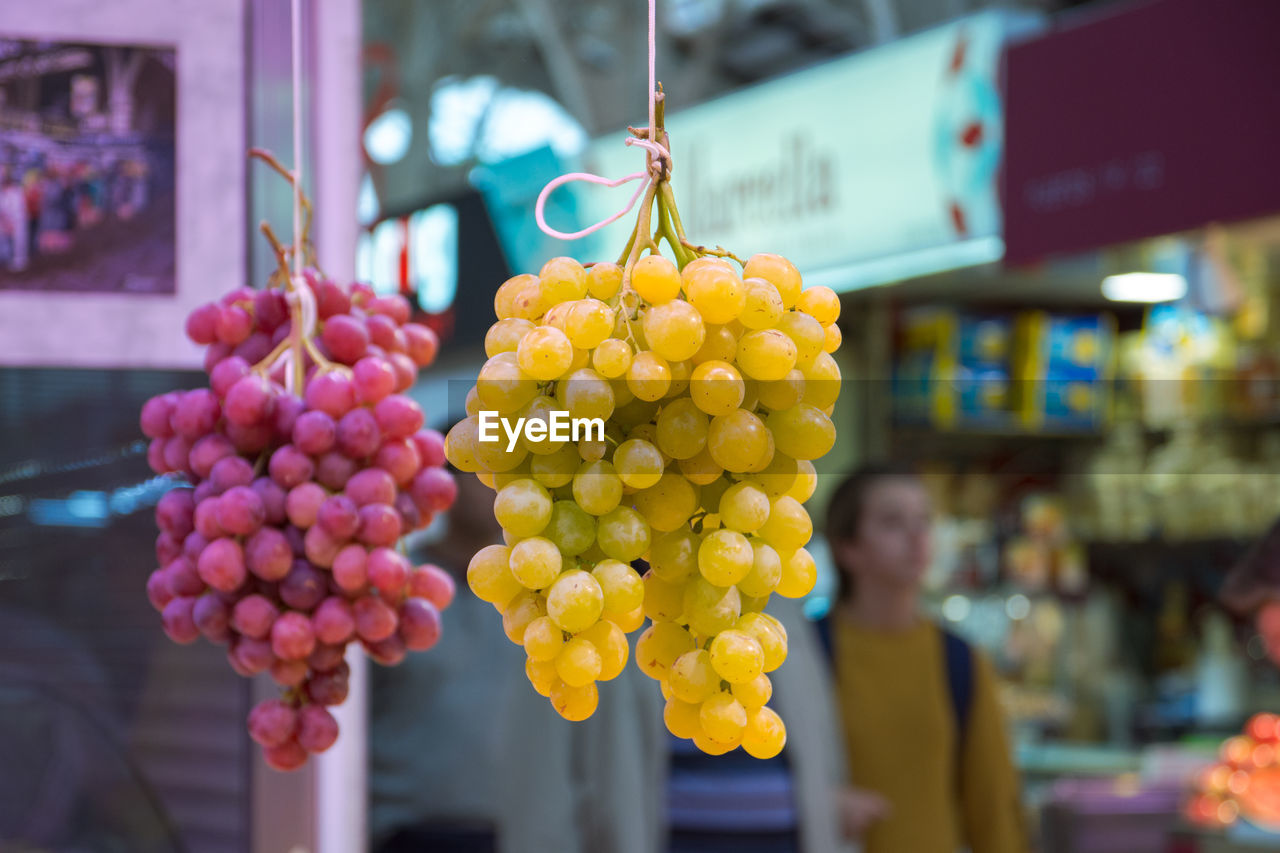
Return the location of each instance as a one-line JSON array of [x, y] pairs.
[[302, 465]]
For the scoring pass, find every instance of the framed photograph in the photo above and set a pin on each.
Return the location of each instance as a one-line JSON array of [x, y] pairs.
[[122, 177]]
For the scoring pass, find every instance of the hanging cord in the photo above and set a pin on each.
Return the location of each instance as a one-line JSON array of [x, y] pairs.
[[657, 165]]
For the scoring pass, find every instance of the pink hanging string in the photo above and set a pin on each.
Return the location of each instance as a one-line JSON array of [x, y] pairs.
[[656, 153], [299, 293]]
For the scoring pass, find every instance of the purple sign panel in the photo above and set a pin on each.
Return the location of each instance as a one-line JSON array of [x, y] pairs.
[[1160, 118]]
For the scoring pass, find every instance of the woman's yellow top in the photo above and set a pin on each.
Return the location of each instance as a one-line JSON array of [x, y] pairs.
[[900, 732]]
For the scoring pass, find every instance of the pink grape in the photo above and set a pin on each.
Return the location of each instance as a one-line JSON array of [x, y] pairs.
[[382, 331], [221, 565], [358, 435], [216, 352], [350, 569], [434, 584], [272, 722], [270, 309], [303, 502], [288, 409], [410, 516], [296, 540], [374, 379], [338, 515], [240, 511], [158, 589], [304, 587], [212, 617], [379, 525], [175, 512], [193, 545], [399, 458], [370, 486], [202, 323], [292, 637], [398, 416], [206, 519], [388, 571], [168, 548], [227, 373], [433, 490], [289, 673], [331, 393], [273, 499], [178, 621], [333, 470], [346, 338], [203, 492], [419, 624], [207, 452], [249, 440], [253, 655], [430, 445], [183, 577], [406, 370], [375, 620], [330, 299], [254, 348], [156, 414], [176, 453], [388, 652], [289, 466], [287, 756], [314, 432], [234, 324], [392, 305], [329, 688], [421, 344], [325, 657], [333, 621], [250, 400], [320, 547], [195, 414], [229, 472], [253, 616], [268, 555], [317, 729], [156, 456]]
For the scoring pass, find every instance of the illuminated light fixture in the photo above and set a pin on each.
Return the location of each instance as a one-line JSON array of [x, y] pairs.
[[1018, 607], [956, 608], [1144, 287], [388, 137]]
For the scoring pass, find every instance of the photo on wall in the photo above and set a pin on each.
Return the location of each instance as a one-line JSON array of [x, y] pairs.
[[87, 167]]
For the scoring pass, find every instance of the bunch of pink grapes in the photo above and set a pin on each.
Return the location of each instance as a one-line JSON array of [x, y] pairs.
[[285, 549]]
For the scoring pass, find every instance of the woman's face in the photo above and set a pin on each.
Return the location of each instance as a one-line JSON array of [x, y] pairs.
[[893, 543]]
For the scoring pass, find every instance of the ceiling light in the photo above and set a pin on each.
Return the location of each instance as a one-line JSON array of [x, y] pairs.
[[1144, 287]]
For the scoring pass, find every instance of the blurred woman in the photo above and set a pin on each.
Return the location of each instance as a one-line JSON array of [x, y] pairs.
[[924, 734]]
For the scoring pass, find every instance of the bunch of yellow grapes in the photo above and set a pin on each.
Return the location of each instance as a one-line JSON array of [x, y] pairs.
[[716, 389]]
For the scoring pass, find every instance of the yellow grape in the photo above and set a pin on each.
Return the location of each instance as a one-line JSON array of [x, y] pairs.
[[489, 575], [495, 457], [621, 393], [639, 464], [486, 479], [563, 280], [578, 663], [744, 507], [799, 574], [673, 330], [504, 299], [789, 526], [505, 335], [557, 468], [538, 409], [723, 718], [805, 483], [766, 354], [574, 601], [821, 382], [621, 586], [711, 746], [779, 272], [764, 735], [581, 358], [807, 334], [832, 338], [782, 393], [574, 703], [756, 603], [724, 557], [519, 612], [586, 394], [611, 358], [710, 609], [739, 441], [766, 631], [763, 306], [663, 600], [766, 571], [523, 507], [716, 387], [778, 476], [472, 405], [596, 487], [527, 302], [701, 470], [659, 646], [681, 718], [721, 344], [668, 504], [680, 373], [802, 432], [611, 644], [570, 527], [543, 639], [536, 562], [542, 675], [681, 429], [649, 376], [737, 656], [673, 556], [461, 443], [503, 386], [692, 678], [820, 303], [717, 293], [603, 280], [754, 693], [557, 314], [589, 323], [622, 534], [627, 622], [655, 279]]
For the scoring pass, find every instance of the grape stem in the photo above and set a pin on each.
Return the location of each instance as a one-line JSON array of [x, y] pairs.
[[308, 250]]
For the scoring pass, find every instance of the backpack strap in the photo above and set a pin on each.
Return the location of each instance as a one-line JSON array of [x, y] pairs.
[[959, 662]]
